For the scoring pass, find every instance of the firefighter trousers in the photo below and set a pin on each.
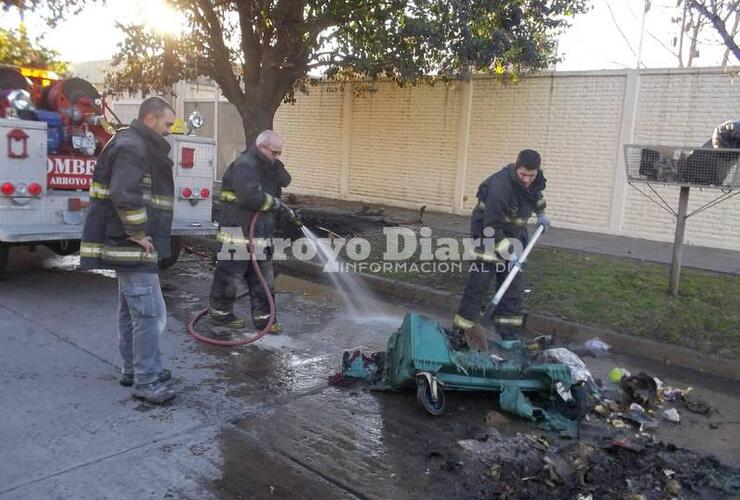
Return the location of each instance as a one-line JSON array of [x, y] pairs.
[[508, 314], [225, 287], [142, 317]]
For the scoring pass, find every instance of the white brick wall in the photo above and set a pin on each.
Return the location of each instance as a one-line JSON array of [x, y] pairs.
[[400, 146], [312, 129], [572, 121], [404, 145]]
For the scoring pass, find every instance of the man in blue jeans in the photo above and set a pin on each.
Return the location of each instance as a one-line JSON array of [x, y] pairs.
[[127, 229]]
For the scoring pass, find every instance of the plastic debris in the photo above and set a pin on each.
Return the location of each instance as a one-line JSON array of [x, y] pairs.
[[672, 415], [637, 414], [641, 388], [617, 374], [357, 365], [597, 347], [674, 393], [577, 367]]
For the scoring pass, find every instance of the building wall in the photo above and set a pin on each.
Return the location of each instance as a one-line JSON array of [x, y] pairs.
[[402, 146], [432, 146]]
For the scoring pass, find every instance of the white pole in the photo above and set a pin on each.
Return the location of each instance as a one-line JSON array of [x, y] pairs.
[[642, 33]]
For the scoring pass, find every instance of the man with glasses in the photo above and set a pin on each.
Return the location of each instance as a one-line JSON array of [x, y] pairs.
[[253, 183]]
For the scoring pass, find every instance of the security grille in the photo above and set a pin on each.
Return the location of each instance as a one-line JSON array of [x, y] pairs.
[[681, 165]]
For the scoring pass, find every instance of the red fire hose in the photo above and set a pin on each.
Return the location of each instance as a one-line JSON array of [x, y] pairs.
[[265, 287]]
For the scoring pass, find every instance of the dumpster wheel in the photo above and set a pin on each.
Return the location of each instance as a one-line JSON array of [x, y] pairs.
[[424, 397]]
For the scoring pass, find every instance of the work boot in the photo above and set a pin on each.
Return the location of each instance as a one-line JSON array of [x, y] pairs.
[[156, 392], [127, 379], [275, 329], [229, 320]]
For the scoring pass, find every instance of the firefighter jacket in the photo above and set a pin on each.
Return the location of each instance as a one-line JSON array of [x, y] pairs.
[[131, 196], [250, 185], [505, 205]]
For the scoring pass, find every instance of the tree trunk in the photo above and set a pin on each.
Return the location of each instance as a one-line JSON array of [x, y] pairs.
[[261, 118]]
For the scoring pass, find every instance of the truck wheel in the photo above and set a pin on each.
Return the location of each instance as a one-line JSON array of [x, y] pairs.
[[175, 247], [424, 397], [64, 247], [4, 253]]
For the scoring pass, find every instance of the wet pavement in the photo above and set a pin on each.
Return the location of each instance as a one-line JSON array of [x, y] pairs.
[[257, 421]]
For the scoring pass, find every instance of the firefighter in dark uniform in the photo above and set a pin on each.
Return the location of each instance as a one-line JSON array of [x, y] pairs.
[[252, 184], [506, 200], [127, 229]]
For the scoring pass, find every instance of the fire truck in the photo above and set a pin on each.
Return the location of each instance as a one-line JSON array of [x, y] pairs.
[[51, 132]]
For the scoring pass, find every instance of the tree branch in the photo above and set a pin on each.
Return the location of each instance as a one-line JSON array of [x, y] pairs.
[[719, 26]]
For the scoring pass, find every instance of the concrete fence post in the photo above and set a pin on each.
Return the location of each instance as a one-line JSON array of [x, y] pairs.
[[626, 135], [347, 103], [462, 146]]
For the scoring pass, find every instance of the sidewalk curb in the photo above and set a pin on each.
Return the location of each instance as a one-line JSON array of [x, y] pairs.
[[621, 343]]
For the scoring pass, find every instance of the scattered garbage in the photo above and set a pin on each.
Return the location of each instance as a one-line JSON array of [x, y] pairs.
[[617, 374], [674, 393], [640, 388], [673, 487], [672, 415], [631, 467], [578, 370], [358, 366], [618, 423], [638, 415], [597, 347]]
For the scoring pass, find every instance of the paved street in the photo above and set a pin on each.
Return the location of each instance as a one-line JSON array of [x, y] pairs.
[[250, 422]]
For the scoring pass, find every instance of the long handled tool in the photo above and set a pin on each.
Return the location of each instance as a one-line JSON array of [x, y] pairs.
[[512, 274]]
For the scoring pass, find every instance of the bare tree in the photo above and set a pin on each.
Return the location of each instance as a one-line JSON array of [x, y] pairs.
[[697, 14]]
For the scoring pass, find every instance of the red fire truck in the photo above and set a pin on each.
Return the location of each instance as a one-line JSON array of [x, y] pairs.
[[51, 131]]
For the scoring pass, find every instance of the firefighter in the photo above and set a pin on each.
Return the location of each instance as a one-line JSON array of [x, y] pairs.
[[252, 184], [506, 200], [127, 229]]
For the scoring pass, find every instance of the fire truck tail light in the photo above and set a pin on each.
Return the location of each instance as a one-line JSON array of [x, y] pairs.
[[35, 189], [205, 193], [7, 189], [187, 192]]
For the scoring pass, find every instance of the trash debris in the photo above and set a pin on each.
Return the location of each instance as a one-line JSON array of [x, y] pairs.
[[669, 473], [628, 444], [640, 388], [673, 487], [674, 393], [601, 410], [597, 347], [618, 423], [637, 414], [514, 401], [617, 374], [358, 366], [672, 415], [578, 370]]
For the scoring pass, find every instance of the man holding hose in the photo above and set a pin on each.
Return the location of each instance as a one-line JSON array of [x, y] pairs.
[[506, 200], [252, 184]]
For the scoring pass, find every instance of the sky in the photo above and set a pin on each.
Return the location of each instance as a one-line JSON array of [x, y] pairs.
[[607, 37]]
